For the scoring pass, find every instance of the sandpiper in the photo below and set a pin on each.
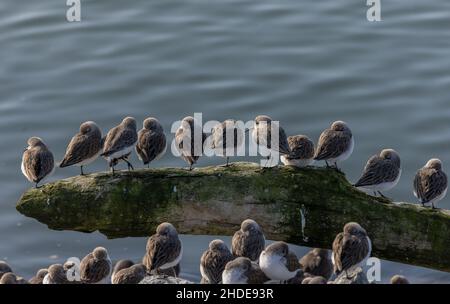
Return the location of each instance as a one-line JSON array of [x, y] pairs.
[[243, 271], [151, 144], [39, 277], [249, 241], [335, 144], [11, 278], [351, 248], [37, 161], [164, 249], [56, 275], [126, 272], [4, 268], [85, 146], [382, 172], [399, 279], [95, 267], [213, 261], [314, 280], [317, 262], [430, 183], [227, 138], [119, 143], [302, 151], [262, 136], [189, 140], [278, 262]]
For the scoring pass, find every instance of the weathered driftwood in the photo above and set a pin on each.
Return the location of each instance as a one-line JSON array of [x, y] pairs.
[[301, 206]]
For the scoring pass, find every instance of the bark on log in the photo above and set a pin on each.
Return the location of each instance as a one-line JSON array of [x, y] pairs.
[[301, 206]]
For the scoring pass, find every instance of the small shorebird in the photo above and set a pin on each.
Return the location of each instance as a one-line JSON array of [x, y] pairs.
[[4, 268], [317, 263], [189, 140], [399, 279], [351, 248], [126, 272], [430, 183], [119, 143], [278, 262], [213, 261], [302, 152], [37, 161], [382, 172], [56, 275], [227, 138], [315, 280], [164, 249], [85, 146], [243, 271], [39, 277], [262, 136], [249, 241], [151, 144], [95, 268], [335, 144], [11, 278]]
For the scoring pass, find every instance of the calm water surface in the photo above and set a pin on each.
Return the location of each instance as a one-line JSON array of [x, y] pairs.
[[304, 63]]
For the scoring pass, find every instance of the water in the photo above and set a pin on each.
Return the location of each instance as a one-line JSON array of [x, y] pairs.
[[304, 63]]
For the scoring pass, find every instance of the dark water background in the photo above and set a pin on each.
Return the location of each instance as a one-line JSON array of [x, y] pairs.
[[305, 63]]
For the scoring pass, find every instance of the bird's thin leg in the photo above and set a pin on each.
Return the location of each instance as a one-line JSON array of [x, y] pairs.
[[190, 167], [432, 206], [148, 165], [81, 167], [36, 186], [381, 194], [375, 193], [174, 272], [129, 165], [228, 159], [328, 165]]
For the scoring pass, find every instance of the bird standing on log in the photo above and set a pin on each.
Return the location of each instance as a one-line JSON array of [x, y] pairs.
[[37, 161], [430, 183], [151, 144]]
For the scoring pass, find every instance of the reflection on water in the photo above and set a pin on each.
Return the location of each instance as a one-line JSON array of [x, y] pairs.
[[304, 63]]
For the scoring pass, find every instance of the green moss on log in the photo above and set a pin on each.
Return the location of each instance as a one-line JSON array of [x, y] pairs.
[[302, 206]]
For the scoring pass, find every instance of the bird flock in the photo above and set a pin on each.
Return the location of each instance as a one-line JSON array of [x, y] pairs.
[[336, 143], [250, 261]]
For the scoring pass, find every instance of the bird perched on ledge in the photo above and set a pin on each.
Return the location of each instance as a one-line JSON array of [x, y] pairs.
[[85, 146], [335, 144], [151, 144], [430, 183], [37, 161], [119, 143], [189, 140]]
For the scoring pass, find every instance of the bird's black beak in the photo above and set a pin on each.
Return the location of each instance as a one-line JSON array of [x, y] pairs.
[[24, 149]]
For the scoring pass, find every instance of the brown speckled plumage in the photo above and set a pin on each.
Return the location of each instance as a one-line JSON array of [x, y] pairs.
[[213, 261], [249, 241], [151, 142]]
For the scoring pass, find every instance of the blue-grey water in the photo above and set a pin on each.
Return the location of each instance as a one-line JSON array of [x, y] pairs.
[[305, 63]]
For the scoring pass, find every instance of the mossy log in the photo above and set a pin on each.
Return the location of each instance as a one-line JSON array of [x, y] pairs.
[[301, 206]]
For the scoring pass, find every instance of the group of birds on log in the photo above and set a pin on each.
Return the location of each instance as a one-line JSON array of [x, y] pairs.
[[381, 173], [249, 261]]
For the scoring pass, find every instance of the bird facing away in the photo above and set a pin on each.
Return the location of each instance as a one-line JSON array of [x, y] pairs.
[[278, 262], [351, 248], [382, 172], [126, 272], [37, 161], [262, 135], [227, 138], [85, 146], [4, 268], [95, 267], [243, 271], [335, 144], [214, 260], [302, 152], [189, 140], [119, 143], [151, 144], [249, 241], [399, 279], [164, 249], [56, 275], [10, 278], [317, 262], [39, 277], [430, 183]]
